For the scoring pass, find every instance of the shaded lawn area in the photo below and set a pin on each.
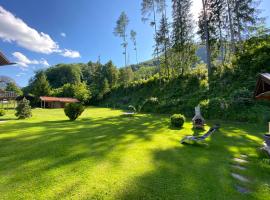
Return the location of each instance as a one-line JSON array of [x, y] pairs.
[[105, 155]]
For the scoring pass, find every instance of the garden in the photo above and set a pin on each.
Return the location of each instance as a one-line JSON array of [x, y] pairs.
[[107, 155]]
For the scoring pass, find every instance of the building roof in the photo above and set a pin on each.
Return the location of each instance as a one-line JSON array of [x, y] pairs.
[[263, 87], [59, 99], [4, 60]]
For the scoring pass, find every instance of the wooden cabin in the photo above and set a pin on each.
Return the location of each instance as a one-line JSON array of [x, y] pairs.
[[56, 102]]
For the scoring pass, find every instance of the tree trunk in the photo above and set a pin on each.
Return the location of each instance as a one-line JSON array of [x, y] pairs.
[[207, 41], [231, 27], [125, 47], [155, 26]]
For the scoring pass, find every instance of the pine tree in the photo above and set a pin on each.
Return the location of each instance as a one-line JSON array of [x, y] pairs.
[[182, 34], [133, 37], [244, 16], [121, 31], [218, 23], [110, 73], [163, 41], [39, 84], [23, 110]]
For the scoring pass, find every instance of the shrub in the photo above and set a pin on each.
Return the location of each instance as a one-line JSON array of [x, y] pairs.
[[150, 105], [2, 112], [177, 120], [241, 98], [23, 109], [73, 110]]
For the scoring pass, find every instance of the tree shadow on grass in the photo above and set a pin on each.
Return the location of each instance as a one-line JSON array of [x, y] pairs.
[[55, 139], [183, 171], [193, 172]]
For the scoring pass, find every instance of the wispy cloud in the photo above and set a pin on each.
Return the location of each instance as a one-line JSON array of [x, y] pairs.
[[70, 53], [63, 34], [23, 61], [14, 29]]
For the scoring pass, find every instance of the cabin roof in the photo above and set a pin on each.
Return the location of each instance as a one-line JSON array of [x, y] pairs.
[[59, 99], [4, 60]]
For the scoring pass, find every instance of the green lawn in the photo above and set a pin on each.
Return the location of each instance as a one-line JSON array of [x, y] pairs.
[[104, 155]]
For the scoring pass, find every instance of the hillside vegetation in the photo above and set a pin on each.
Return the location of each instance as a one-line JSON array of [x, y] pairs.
[[227, 95]]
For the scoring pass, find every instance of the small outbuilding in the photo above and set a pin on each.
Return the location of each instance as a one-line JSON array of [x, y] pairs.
[[56, 102], [262, 90]]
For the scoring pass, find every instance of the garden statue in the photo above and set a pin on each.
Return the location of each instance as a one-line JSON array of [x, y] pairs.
[[198, 120]]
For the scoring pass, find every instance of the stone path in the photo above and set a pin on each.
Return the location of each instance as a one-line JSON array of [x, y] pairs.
[[242, 190], [239, 164]]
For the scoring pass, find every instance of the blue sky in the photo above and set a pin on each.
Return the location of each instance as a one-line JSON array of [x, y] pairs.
[[38, 34]]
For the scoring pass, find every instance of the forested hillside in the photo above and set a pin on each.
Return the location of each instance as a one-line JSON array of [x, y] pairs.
[[228, 95]]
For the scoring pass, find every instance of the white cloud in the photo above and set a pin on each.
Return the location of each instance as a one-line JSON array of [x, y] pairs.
[[14, 29], [23, 61], [63, 34], [196, 8], [70, 53], [20, 74]]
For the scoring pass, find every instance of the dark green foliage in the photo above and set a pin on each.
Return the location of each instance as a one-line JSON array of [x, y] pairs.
[[2, 112], [23, 109], [177, 120], [64, 73], [126, 75], [11, 86], [241, 98], [73, 110], [79, 91]]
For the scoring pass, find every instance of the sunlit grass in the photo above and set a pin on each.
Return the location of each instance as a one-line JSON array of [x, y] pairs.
[[105, 155]]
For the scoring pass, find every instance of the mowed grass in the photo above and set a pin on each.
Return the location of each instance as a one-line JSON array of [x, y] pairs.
[[104, 155]]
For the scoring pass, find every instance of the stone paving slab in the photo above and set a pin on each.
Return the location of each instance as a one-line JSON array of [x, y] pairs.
[[240, 178], [239, 167], [239, 160], [243, 156], [242, 190]]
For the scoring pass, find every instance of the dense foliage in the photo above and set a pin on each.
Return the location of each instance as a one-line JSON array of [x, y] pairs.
[[23, 110], [177, 120], [73, 110]]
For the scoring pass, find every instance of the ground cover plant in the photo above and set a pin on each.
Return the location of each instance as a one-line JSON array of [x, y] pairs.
[[104, 155]]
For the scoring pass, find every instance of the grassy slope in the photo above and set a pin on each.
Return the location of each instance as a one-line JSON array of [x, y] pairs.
[[106, 156]]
